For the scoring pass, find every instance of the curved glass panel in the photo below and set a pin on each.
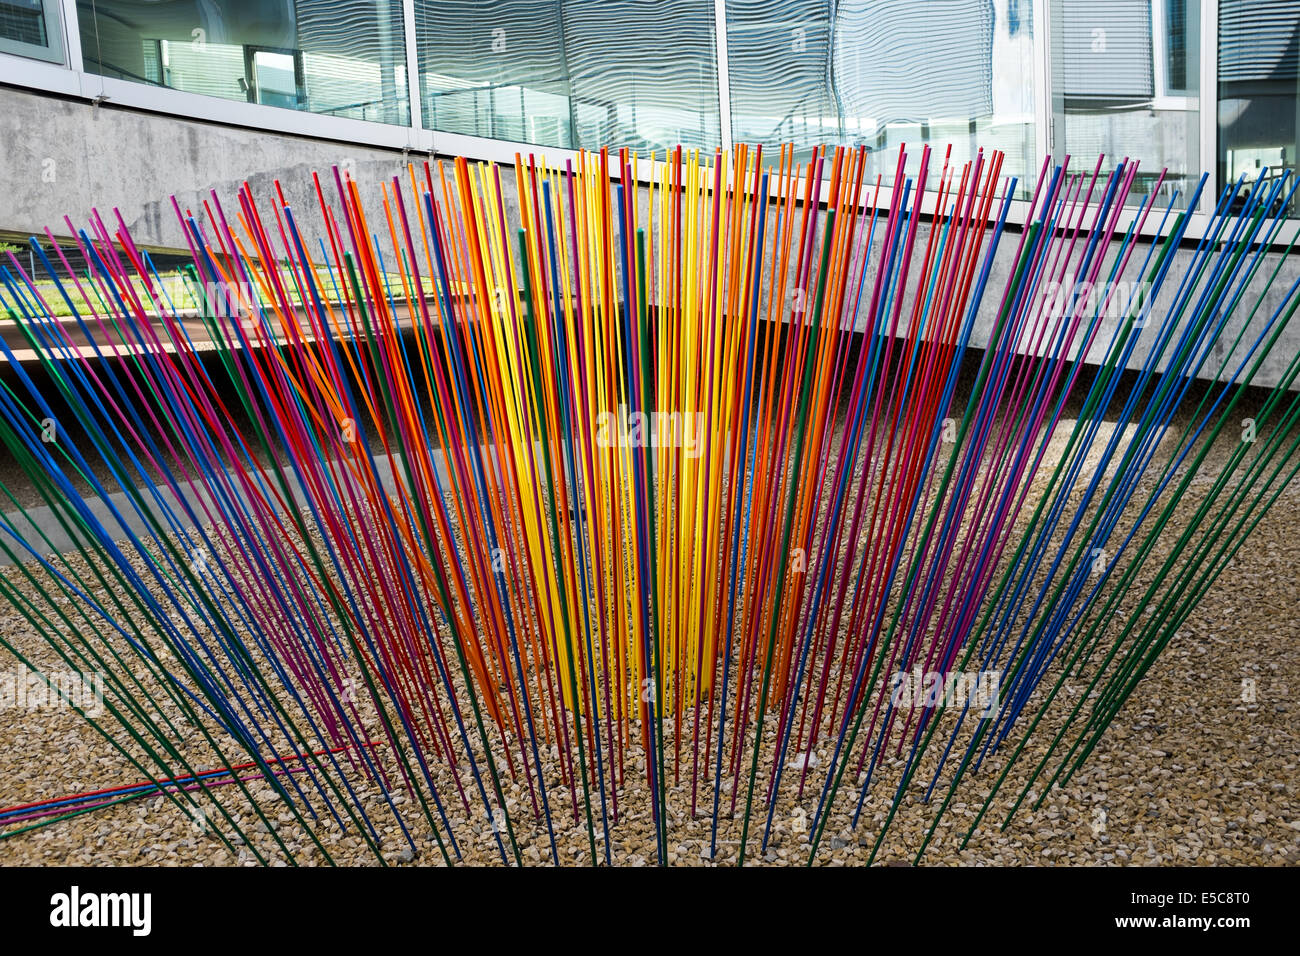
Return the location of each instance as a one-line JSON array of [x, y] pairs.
[[571, 73], [334, 57], [884, 73]]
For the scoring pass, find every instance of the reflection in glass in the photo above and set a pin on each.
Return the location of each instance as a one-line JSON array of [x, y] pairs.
[[335, 57], [1259, 56], [28, 28], [884, 73], [571, 73], [1126, 82], [23, 21]]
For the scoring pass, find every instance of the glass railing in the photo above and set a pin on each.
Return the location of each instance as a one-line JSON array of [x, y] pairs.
[[571, 73], [333, 57], [883, 73]]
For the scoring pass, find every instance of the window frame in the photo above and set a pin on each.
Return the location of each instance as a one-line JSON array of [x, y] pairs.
[[52, 14]]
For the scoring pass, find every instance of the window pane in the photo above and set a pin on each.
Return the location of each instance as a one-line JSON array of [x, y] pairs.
[[27, 28], [23, 21], [1126, 82], [883, 73], [494, 69], [1258, 76], [571, 73], [336, 57]]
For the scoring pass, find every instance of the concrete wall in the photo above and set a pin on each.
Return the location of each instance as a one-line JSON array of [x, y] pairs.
[[62, 157], [1269, 290]]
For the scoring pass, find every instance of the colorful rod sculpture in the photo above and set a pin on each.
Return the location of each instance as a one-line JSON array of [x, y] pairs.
[[632, 502]]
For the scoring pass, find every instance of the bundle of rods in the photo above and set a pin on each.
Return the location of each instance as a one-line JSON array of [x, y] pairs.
[[547, 498]]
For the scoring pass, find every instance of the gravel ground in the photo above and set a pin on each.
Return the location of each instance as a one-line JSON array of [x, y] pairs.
[[1187, 773]]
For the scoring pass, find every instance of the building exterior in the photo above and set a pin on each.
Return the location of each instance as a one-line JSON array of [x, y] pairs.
[[94, 93]]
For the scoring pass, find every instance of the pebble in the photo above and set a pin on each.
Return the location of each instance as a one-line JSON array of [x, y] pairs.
[[1188, 773]]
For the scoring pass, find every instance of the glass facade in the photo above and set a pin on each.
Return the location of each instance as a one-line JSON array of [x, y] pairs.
[[571, 73], [1126, 83], [883, 73], [1259, 56], [1121, 78], [333, 57]]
